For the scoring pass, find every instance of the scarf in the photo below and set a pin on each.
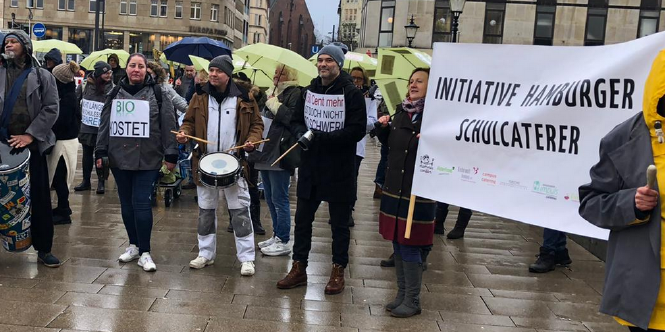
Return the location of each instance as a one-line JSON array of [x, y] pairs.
[[413, 106]]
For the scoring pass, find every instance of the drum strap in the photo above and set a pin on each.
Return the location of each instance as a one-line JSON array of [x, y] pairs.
[[10, 101]]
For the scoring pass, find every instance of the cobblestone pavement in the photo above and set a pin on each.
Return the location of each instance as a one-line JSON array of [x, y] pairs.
[[479, 283]]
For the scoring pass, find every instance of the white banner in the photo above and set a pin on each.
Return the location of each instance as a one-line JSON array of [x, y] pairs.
[[130, 118], [91, 112], [324, 112], [513, 130], [267, 123]]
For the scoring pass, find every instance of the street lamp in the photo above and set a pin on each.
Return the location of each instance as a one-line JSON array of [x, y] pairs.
[[411, 30], [456, 7]]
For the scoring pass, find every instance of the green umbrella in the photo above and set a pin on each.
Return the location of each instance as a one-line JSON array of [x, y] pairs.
[[393, 72], [353, 59], [266, 58], [103, 55], [64, 47], [199, 63]]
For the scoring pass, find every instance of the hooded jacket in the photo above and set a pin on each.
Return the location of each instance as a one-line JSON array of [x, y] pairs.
[[634, 268], [118, 72], [327, 169], [54, 55], [40, 92]]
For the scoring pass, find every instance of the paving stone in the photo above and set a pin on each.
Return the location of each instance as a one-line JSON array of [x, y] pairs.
[[93, 319], [106, 301]]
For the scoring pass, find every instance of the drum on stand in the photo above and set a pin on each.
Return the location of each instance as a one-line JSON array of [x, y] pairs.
[[14, 199], [219, 170]]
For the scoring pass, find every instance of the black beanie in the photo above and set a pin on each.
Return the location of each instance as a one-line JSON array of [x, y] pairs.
[[101, 68]]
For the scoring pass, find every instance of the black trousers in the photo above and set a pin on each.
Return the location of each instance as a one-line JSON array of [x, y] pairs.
[[637, 329], [40, 198], [254, 195], [88, 161], [359, 160], [339, 219], [61, 188]]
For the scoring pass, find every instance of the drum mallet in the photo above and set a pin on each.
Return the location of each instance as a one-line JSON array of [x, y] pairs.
[[194, 138], [253, 143], [409, 216], [304, 142], [651, 177]]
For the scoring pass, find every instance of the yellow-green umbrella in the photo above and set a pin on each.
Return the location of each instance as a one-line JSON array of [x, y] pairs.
[[103, 55], [393, 71], [64, 47], [353, 59], [267, 57], [257, 76], [393, 91], [199, 63]]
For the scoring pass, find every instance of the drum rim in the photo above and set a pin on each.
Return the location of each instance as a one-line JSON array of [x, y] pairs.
[[235, 177], [13, 169], [236, 171]]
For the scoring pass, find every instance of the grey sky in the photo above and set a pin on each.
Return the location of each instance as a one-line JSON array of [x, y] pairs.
[[324, 14]]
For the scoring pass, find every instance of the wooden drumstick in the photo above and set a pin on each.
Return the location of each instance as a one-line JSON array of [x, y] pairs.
[[651, 177], [254, 143], [194, 138], [284, 154], [409, 217]]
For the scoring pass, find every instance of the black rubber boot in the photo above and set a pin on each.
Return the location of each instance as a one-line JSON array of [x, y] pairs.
[[413, 277], [463, 218], [100, 187], [256, 220], [562, 258], [545, 263], [441, 215], [399, 272], [390, 262], [85, 185]]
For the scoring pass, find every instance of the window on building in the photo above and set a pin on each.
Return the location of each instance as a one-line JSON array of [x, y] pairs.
[[229, 17], [544, 30], [386, 26], [178, 9], [163, 8], [13, 3], [649, 17], [93, 4], [123, 7], [153, 7], [39, 4], [214, 13], [132, 7], [62, 5], [195, 13], [30, 4], [494, 15], [442, 20], [596, 19]]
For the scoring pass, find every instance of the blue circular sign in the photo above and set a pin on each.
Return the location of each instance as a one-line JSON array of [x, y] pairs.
[[39, 30]]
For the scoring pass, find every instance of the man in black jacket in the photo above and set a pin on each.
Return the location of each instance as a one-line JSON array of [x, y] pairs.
[[334, 111]]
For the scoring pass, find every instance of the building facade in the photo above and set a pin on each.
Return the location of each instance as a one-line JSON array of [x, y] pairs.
[[134, 25], [258, 21], [350, 20], [537, 22], [291, 26]]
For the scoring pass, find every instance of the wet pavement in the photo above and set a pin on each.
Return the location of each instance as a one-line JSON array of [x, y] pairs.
[[479, 283]]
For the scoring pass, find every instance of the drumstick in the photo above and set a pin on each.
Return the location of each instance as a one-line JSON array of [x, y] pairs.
[[254, 143], [651, 176], [284, 155], [194, 138], [409, 217]]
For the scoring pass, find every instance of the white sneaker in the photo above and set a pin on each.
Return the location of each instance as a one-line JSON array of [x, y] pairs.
[[278, 248], [146, 263], [268, 242], [247, 269], [131, 253], [201, 262]]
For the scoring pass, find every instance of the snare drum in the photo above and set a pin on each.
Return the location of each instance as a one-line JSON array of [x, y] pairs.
[[14, 199], [219, 170]]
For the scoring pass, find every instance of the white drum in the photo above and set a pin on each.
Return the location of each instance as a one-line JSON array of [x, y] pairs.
[[219, 170]]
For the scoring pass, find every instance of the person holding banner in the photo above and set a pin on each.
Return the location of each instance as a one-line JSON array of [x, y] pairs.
[[134, 137], [329, 124], [625, 199], [227, 115], [402, 135], [92, 95], [284, 99]]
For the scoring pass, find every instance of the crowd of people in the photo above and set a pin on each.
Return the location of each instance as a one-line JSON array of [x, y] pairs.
[[226, 114]]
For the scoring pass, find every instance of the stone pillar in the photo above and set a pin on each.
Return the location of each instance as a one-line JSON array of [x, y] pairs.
[[65, 33], [158, 42], [125, 41]]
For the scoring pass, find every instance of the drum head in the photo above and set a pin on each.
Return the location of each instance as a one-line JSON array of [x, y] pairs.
[[10, 159], [219, 163]]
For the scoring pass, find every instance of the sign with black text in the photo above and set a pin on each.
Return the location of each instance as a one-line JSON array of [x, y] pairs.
[[130, 118], [324, 112]]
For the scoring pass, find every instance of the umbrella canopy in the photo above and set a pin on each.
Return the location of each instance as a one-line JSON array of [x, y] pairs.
[[353, 59], [267, 57], [103, 55], [47, 45], [392, 73], [203, 47]]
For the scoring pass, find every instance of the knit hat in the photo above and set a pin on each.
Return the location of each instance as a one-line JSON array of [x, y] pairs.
[[224, 63], [335, 52], [101, 68], [54, 55], [65, 72]]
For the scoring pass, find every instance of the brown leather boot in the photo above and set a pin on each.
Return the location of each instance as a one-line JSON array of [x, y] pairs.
[[336, 283], [296, 277]]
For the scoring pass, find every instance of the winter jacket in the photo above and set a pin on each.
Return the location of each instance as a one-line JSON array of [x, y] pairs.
[[327, 170], [178, 102], [140, 153], [69, 117], [88, 91]]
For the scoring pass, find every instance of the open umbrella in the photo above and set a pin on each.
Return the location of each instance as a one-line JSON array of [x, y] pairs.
[[103, 55], [203, 47], [257, 76], [267, 57], [63, 46], [353, 59], [393, 71]]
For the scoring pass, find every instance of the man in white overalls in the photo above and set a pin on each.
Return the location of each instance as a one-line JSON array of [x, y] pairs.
[[225, 115]]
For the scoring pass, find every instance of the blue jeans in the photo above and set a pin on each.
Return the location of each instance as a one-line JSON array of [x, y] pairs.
[[554, 241], [380, 178], [276, 191], [135, 190], [408, 253]]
